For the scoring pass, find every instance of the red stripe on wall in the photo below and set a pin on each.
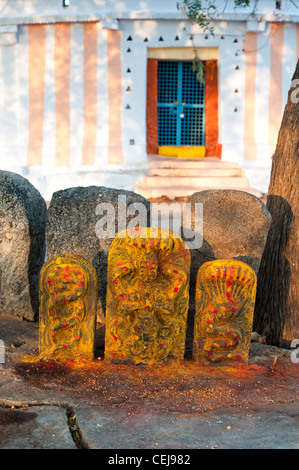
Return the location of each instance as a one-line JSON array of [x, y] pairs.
[[250, 49], [152, 107], [62, 92], [90, 48], [36, 67], [115, 152], [213, 148]]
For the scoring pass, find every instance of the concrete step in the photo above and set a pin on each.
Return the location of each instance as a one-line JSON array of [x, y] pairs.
[[180, 177], [199, 172], [159, 161], [182, 191], [194, 181]]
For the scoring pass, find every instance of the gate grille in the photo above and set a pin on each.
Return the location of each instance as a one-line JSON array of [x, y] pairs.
[[180, 105]]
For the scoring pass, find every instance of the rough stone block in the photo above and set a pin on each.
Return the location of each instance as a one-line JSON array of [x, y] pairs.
[[68, 299], [235, 225], [147, 297], [225, 298], [22, 245]]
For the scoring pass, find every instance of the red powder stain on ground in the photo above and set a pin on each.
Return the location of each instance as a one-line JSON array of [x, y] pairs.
[[185, 386]]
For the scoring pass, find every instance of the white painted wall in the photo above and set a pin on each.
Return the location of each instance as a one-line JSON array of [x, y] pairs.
[[14, 10], [138, 19], [231, 104]]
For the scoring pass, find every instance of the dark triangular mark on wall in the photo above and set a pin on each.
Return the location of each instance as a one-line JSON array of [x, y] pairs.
[[129, 38]]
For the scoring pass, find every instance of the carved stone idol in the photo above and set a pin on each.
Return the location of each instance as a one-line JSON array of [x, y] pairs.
[[225, 298], [68, 299], [147, 297]]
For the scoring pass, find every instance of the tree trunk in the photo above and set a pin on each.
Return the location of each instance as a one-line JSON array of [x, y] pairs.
[[277, 301]]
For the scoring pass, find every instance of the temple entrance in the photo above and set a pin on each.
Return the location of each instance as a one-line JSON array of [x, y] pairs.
[[181, 112]]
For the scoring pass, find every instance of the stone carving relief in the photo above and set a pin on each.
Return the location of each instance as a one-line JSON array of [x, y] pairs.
[[147, 297], [225, 298], [68, 297]]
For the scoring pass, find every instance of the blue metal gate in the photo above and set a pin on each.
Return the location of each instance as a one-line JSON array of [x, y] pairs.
[[180, 105]]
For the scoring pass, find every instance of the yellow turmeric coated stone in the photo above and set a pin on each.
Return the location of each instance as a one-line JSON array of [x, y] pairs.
[[147, 297], [67, 318], [225, 298]]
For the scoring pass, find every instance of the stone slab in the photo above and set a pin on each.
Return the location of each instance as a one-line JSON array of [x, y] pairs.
[[159, 161], [22, 245], [196, 181], [173, 192], [235, 225], [35, 427], [253, 428], [202, 173], [187, 408]]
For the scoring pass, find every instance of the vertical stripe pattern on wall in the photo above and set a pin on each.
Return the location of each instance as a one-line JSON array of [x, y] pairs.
[[152, 107], [275, 86], [115, 155], [250, 49], [213, 148], [90, 41], [36, 66], [62, 91]]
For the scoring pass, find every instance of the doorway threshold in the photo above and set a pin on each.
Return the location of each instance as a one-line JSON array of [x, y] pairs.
[[182, 151]]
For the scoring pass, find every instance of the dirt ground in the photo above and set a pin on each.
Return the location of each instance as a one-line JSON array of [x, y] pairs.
[[269, 377]]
